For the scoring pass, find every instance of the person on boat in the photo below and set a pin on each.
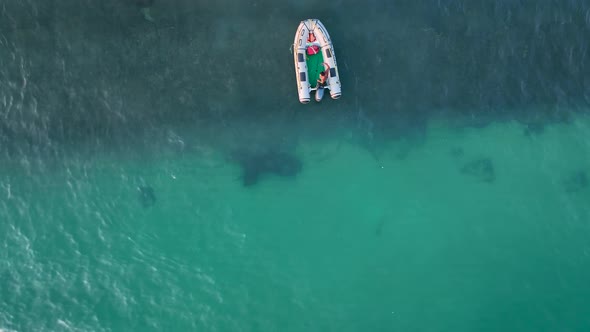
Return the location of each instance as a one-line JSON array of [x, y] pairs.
[[322, 81], [313, 46]]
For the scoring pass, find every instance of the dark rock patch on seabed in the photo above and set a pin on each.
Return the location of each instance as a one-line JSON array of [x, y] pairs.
[[456, 152], [576, 181], [147, 196], [532, 129], [256, 164], [482, 169]]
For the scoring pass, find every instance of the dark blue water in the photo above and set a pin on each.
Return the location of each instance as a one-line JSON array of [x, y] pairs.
[[99, 70]]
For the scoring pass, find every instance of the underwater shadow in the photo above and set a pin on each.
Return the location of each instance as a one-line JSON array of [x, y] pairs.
[[256, 164]]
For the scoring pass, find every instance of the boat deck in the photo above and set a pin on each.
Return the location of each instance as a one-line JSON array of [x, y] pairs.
[[314, 67]]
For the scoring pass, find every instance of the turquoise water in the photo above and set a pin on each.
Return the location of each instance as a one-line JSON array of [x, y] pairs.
[[395, 240]]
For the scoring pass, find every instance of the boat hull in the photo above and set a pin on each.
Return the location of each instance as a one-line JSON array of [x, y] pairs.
[[306, 77]]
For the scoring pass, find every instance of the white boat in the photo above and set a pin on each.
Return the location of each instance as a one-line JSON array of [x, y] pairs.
[[314, 54]]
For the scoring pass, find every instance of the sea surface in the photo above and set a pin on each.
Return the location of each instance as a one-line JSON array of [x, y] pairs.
[[163, 176]]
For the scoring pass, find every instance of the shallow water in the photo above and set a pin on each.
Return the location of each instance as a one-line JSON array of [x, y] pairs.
[[353, 242]]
